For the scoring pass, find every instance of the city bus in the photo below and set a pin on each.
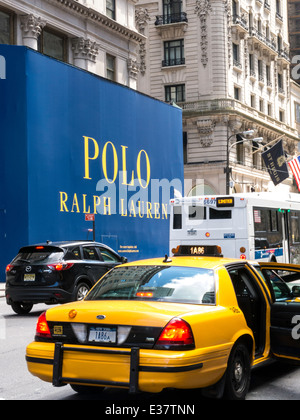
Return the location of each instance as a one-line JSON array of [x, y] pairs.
[[255, 226]]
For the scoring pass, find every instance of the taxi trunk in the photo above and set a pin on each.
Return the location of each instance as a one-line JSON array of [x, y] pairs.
[[87, 344]]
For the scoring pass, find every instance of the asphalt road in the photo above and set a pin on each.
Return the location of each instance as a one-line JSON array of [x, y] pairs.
[[273, 382]]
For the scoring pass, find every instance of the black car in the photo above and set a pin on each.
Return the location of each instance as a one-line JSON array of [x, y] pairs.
[[56, 272]]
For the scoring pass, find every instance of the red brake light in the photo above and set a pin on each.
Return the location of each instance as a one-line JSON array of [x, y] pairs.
[[42, 328], [39, 247], [177, 333], [60, 266], [9, 267]]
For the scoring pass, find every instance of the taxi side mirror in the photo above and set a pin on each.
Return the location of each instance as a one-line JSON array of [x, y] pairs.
[[296, 291]]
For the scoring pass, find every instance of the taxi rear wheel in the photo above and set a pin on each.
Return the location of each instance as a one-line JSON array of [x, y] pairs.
[[238, 373]]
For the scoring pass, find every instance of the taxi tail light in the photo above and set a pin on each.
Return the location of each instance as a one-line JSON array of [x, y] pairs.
[[176, 334], [42, 327]]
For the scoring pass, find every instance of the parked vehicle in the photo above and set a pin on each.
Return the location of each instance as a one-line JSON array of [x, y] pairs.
[[56, 272]]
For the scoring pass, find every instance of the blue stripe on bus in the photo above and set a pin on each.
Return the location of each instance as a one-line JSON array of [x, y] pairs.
[[265, 253]]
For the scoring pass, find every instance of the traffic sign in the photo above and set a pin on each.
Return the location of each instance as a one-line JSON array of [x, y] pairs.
[[89, 217]]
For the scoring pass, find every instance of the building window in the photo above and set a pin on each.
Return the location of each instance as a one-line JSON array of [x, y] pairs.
[[111, 9], [260, 70], [280, 83], [110, 67], [252, 65], [297, 112], [236, 55], [175, 93], [252, 101], [6, 27], [53, 44], [237, 93], [268, 75], [278, 9], [281, 115], [173, 53], [172, 11], [261, 105], [240, 153]]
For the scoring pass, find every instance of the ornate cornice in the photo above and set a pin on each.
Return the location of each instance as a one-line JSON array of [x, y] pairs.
[[95, 16]]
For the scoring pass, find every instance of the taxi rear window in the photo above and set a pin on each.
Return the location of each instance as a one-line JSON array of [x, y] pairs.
[[158, 283]]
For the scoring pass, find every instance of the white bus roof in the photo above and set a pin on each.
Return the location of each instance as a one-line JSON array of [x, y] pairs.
[[267, 196]]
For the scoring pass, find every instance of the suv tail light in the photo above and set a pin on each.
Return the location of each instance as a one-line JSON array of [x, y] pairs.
[[60, 266], [42, 327], [9, 267], [177, 334]]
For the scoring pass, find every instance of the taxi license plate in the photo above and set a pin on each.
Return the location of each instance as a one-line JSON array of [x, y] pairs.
[[29, 277], [102, 335]]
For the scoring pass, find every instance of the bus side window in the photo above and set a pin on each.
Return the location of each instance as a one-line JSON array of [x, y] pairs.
[[197, 212], [177, 217], [219, 214]]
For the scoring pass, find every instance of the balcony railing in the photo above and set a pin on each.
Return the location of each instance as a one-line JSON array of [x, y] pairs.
[[238, 20], [237, 64], [270, 43], [171, 18], [173, 62], [227, 105], [283, 54]]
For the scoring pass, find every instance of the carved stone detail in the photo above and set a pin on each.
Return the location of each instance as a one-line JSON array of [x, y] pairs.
[[141, 19], [202, 8], [133, 68], [85, 49], [206, 128], [31, 26]]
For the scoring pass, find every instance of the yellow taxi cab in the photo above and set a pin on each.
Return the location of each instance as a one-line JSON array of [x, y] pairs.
[[195, 320]]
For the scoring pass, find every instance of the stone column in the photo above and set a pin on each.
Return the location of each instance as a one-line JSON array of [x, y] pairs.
[[85, 53], [31, 27], [133, 70]]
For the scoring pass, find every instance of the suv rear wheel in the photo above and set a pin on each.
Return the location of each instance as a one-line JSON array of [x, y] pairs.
[[81, 290], [21, 308]]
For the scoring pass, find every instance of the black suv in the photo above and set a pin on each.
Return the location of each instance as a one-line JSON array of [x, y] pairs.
[[56, 272]]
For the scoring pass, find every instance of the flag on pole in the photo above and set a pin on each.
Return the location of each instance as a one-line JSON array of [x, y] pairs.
[[275, 162], [295, 168]]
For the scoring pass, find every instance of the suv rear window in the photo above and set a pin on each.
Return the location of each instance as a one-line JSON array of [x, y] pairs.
[[35, 256], [159, 283]]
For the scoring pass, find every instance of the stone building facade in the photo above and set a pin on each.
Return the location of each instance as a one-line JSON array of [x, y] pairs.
[[226, 64], [99, 36]]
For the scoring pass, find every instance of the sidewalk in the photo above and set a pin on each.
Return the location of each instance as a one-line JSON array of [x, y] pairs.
[[2, 290]]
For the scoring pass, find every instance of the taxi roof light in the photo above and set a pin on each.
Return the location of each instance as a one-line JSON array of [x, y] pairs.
[[198, 250]]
